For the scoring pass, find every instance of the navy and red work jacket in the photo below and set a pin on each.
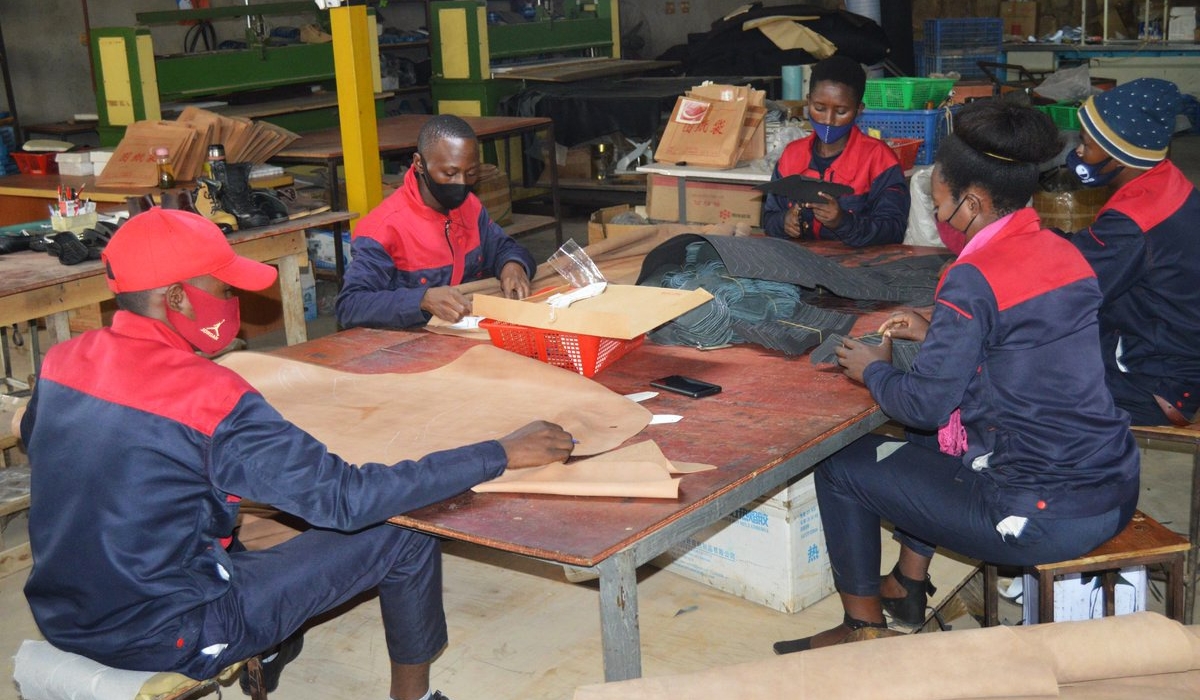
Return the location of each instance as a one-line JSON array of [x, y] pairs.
[[1145, 249], [403, 247], [141, 452], [1013, 342], [875, 214]]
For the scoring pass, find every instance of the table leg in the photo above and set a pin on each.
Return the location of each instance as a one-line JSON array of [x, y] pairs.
[[58, 327], [291, 297], [619, 631], [558, 232], [339, 262]]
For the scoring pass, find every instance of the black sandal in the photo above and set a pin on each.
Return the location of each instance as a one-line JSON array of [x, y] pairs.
[[857, 630], [909, 610]]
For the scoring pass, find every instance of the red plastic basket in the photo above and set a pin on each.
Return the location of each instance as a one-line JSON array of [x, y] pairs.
[[35, 163], [906, 150], [585, 354]]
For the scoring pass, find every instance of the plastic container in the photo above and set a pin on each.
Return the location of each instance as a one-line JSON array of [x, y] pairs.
[[585, 354], [35, 163], [929, 125], [166, 171], [906, 150], [949, 34], [906, 93], [1065, 115]]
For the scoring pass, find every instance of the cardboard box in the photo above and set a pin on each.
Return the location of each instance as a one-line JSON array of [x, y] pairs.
[[321, 249], [1020, 18], [600, 229], [771, 552], [705, 202], [1182, 24], [492, 189], [623, 311], [1083, 599], [1070, 211]]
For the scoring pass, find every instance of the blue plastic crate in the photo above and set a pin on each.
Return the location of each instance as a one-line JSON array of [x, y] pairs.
[[951, 35], [8, 144], [965, 63], [927, 124]]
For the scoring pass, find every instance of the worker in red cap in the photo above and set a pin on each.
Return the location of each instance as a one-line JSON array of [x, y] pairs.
[[144, 448]]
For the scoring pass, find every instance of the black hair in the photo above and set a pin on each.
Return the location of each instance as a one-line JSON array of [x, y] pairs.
[[840, 69], [997, 146], [443, 126], [136, 302]]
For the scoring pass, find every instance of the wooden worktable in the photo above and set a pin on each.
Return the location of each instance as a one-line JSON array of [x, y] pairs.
[[776, 417], [36, 285]]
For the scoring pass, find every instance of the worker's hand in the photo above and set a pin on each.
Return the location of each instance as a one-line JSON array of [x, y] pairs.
[[514, 281], [905, 325], [447, 303], [791, 221], [855, 355], [827, 211], [538, 443]]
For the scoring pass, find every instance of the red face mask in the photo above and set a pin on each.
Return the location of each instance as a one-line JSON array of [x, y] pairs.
[[216, 324]]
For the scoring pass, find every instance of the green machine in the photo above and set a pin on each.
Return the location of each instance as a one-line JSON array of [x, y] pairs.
[[466, 48], [132, 82]]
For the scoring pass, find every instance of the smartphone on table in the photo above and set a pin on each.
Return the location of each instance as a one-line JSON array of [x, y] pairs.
[[687, 386]]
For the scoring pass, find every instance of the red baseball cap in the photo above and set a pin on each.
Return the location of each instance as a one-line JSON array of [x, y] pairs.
[[160, 247]]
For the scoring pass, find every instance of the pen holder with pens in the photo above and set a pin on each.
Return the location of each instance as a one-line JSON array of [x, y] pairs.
[[77, 223]]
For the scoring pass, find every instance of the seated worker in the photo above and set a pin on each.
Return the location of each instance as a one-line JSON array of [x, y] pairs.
[[145, 448], [1041, 466], [837, 151], [431, 234], [1145, 251]]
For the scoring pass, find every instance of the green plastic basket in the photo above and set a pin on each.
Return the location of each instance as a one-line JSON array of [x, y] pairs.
[[1065, 115], [906, 93]]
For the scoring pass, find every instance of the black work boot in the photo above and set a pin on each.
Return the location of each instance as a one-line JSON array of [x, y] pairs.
[[238, 199]]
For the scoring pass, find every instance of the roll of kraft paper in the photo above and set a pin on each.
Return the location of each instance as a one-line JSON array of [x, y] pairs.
[[794, 82]]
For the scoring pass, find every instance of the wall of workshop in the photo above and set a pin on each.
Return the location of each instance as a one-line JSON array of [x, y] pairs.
[[45, 42]]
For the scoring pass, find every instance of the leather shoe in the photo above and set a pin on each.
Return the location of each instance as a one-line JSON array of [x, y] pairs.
[[909, 610], [856, 631], [272, 669]]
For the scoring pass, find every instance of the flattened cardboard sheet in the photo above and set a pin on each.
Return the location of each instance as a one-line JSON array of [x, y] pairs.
[[622, 311]]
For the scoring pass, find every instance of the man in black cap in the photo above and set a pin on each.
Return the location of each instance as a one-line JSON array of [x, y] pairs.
[[1145, 251]]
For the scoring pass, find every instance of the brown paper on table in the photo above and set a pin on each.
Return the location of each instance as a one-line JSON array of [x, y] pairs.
[[752, 137], [485, 394], [787, 33], [622, 311], [639, 470], [132, 162]]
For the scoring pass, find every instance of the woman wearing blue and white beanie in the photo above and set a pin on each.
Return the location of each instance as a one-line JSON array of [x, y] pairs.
[[1145, 250]]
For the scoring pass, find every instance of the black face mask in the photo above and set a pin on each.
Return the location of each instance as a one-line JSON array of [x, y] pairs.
[[449, 195]]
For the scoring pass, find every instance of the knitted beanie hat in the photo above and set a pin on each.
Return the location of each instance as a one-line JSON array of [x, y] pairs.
[[1133, 122]]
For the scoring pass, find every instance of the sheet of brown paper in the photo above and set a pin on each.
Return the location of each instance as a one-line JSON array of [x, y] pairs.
[[640, 470], [483, 395], [711, 141], [787, 33]]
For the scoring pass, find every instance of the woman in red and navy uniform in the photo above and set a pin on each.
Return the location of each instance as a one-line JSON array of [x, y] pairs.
[[876, 213], [411, 251], [1034, 463]]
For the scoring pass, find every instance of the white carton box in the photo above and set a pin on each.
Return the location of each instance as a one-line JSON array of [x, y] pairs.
[[321, 249], [1078, 598], [771, 552], [1182, 24]]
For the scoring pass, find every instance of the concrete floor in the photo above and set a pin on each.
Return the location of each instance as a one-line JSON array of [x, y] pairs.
[[519, 629]]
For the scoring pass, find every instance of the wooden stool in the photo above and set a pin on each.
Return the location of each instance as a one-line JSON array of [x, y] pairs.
[[1187, 436], [1143, 542], [44, 672]]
